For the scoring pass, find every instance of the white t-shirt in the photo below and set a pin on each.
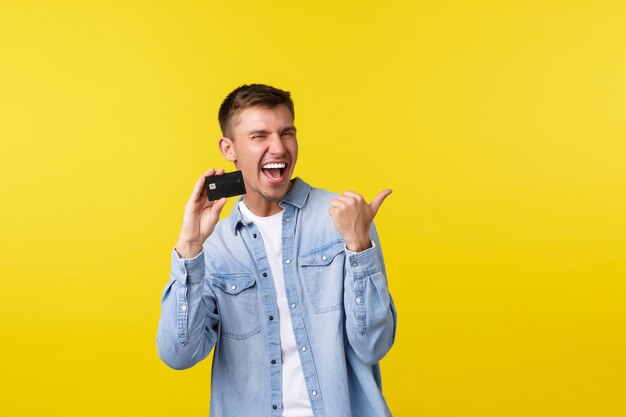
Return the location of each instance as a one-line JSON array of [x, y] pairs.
[[296, 401]]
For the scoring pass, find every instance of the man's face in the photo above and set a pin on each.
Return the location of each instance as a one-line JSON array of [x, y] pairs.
[[265, 149]]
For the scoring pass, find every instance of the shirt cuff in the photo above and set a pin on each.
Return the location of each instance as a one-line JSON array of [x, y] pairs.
[[365, 262], [188, 270]]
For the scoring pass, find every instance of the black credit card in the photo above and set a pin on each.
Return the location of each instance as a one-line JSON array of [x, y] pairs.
[[225, 185]]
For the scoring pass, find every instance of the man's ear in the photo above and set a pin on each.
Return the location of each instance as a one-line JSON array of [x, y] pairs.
[[227, 149]]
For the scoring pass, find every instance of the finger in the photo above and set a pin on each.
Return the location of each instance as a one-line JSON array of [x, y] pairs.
[[219, 171], [354, 195], [217, 208], [346, 199], [336, 202], [378, 200], [199, 186]]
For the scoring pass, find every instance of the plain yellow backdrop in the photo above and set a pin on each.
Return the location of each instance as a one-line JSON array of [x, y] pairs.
[[499, 125]]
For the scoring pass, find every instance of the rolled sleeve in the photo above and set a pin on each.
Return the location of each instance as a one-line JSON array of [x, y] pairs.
[[370, 313], [364, 263], [181, 340], [187, 270]]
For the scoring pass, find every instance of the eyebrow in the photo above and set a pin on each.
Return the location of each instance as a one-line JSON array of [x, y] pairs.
[[261, 131], [267, 132]]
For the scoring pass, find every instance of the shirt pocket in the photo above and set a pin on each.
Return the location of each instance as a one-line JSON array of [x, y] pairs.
[[237, 304], [323, 275]]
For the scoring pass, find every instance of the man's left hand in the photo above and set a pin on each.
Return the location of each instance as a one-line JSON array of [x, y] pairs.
[[353, 216]]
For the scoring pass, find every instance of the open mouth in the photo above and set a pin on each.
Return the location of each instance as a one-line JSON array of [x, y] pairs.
[[274, 171]]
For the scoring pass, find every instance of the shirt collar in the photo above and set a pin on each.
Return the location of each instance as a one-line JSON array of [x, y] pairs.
[[296, 196]]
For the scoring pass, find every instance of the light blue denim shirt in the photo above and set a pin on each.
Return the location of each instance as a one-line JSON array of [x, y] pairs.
[[343, 316]]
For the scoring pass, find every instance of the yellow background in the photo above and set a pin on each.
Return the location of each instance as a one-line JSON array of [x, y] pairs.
[[499, 125]]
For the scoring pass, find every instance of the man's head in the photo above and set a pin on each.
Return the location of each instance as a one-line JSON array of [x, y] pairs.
[[259, 136], [253, 95]]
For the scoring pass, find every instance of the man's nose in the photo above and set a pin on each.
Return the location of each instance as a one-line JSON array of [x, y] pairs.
[[277, 147]]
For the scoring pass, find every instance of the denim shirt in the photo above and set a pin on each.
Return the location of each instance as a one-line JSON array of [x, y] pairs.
[[343, 317]]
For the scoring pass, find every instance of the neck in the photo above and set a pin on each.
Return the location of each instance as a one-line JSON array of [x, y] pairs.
[[260, 206], [263, 207]]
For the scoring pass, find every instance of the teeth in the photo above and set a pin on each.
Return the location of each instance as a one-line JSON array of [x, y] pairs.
[[268, 166]]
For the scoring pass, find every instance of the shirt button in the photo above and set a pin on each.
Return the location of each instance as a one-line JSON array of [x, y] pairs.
[[324, 258], [182, 269], [314, 393], [273, 362], [358, 300], [183, 307], [287, 219], [274, 406], [271, 317], [234, 287], [355, 264], [293, 306], [303, 348], [254, 235], [264, 274], [288, 261]]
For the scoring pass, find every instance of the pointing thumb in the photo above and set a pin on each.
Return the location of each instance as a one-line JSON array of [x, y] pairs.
[[378, 200]]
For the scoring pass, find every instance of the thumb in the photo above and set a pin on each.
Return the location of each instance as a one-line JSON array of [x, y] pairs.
[[217, 208], [378, 200]]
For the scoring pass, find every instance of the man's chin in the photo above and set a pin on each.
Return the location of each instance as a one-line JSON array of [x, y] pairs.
[[276, 192], [274, 197]]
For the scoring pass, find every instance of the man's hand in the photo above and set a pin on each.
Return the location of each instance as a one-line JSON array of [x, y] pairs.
[[353, 216], [200, 218]]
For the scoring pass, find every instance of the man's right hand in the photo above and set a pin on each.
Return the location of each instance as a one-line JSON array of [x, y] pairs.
[[200, 218]]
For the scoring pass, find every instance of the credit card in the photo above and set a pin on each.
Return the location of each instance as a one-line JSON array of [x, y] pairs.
[[226, 185]]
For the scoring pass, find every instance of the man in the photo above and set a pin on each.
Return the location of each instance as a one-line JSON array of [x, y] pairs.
[[291, 288]]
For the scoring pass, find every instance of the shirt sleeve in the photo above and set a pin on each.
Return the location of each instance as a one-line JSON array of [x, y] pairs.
[[370, 313], [188, 324]]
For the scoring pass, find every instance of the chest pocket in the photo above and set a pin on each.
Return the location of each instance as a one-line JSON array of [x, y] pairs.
[[237, 304], [323, 275]]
